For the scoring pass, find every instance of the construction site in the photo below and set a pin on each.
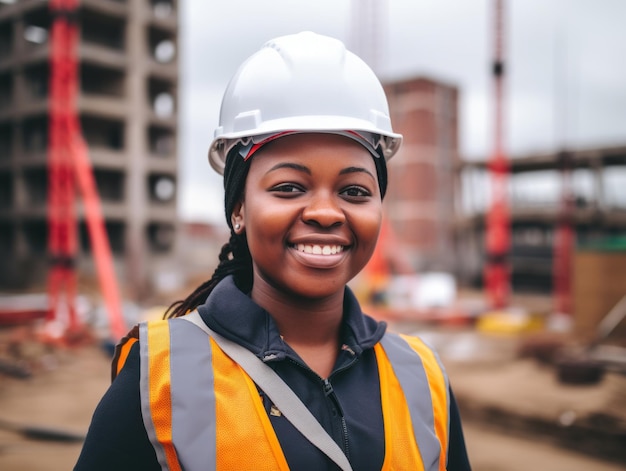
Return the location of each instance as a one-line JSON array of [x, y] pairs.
[[523, 298]]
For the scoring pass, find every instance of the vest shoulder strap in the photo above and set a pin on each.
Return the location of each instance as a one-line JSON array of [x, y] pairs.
[[281, 395]]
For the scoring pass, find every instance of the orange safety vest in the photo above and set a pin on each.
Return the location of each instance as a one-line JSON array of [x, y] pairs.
[[200, 418]]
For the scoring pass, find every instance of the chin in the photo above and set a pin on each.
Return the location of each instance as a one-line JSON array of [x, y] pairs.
[[319, 289]]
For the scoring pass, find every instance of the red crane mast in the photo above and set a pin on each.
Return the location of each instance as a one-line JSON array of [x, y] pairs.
[[69, 166], [564, 241], [497, 233]]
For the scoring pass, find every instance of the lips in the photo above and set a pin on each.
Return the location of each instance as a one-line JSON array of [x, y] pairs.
[[319, 255]]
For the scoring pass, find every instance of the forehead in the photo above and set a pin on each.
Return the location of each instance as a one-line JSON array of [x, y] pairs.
[[317, 150]]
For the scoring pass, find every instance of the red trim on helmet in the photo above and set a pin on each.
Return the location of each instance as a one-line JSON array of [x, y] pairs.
[[258, 145]]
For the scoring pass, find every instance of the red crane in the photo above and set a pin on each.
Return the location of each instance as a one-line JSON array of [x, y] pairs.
[[68, 167], [498, 233], [564, 241]]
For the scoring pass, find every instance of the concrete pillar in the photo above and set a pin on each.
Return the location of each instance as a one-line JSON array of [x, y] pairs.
[[135, 149]]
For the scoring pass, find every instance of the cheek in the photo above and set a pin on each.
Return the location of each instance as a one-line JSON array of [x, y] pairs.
[[368, 227], [264, 226]]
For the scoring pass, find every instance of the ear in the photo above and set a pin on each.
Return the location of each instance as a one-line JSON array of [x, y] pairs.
[[237, 217]]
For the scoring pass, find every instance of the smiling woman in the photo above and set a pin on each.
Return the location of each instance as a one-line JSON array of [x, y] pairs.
[[273, 353]]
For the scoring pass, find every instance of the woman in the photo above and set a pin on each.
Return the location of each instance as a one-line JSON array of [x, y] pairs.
[[303, 141]]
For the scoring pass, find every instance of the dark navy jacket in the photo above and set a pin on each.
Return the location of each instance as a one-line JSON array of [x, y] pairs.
[[117, 439]]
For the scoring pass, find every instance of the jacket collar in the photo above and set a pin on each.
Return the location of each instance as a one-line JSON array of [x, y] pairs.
[[231, 313]]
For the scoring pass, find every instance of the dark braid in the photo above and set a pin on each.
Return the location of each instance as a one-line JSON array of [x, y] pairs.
[[234, 258]]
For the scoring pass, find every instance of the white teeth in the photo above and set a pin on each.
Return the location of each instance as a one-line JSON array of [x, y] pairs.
[[320, 249]]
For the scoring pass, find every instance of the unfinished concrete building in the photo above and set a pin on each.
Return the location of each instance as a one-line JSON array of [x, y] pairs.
[[128, 62], [420, 202]]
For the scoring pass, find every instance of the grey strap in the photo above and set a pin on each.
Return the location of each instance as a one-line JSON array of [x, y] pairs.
[[281, 395]]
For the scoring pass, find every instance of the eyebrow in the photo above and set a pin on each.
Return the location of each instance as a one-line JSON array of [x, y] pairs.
[[356, 170], [306, 170], [292, 165]]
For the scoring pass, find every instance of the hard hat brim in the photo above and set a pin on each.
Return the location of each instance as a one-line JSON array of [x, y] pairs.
[[223, 143]]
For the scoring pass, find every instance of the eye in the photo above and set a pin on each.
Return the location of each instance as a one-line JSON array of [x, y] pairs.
[[288, 189], [356, 192]]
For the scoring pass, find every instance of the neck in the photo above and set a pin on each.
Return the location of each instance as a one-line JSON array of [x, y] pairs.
[[303, 320], [310, 326]]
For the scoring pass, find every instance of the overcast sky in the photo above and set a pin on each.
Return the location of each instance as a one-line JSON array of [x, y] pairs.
[[565, 69]]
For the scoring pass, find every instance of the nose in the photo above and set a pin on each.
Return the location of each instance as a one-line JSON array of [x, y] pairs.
[[323, 210]]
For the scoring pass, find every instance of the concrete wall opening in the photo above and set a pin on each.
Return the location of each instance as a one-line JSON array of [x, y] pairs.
[[110, 185], [162, 188], [36, 28], [95, 80], [102, 133], [162, 9], [6, 91], [161, 237], [161, 97], [161, 141], [100, 30], [6, 190], [6, 142], [162, 44], [6, 39], [36, 183], [36, 236], [35, 135], [36, 81], [7, 238]]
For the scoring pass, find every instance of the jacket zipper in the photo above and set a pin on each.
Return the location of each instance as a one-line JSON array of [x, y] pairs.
[[330, 392]]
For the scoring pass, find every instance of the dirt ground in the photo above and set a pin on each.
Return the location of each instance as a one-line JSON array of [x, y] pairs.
[[63, 395]]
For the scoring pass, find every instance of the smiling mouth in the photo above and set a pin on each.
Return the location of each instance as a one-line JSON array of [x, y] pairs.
[[319, 249]]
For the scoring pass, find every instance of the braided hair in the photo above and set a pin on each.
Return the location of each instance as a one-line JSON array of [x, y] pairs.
[[234, 257]]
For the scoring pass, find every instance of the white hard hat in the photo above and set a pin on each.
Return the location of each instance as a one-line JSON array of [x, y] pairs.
[[303, 83]]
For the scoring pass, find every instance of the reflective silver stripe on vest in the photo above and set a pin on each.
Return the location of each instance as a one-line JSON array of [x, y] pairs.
[[193, 398], [193, 413], [408, 368], [447, 383]]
